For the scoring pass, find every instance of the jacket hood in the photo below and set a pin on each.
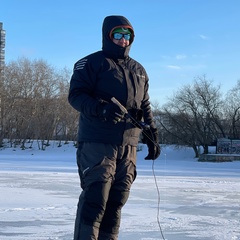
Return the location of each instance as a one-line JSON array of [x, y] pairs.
[[108, 46]]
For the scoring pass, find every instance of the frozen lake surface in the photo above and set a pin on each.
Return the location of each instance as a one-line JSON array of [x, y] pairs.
[[40, 189]]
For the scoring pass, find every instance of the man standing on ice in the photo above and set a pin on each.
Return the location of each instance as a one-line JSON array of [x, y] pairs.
[[107, 138]]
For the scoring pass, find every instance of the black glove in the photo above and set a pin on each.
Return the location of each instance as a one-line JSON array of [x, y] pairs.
[[150, 137], [111, 112]]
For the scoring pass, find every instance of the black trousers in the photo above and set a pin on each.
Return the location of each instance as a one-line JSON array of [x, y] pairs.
[[106, 173]]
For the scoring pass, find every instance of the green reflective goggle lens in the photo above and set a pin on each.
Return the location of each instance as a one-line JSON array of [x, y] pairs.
[[119, 36]]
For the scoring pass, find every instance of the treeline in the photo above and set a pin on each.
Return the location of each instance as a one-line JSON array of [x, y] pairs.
[[33, 105]]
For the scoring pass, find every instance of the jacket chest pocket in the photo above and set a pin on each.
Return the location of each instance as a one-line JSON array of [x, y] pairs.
[[139, 83]]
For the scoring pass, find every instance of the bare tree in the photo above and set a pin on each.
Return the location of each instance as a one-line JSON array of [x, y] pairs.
[[232, 111], [193, 114], [67, 117]]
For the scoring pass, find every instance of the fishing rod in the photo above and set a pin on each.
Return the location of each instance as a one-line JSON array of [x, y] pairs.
[[144, 127]]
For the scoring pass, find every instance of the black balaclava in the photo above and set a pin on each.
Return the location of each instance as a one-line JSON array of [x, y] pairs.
[[108, 46]]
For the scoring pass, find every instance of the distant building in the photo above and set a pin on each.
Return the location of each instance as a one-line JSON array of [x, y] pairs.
[[2, 63], [228, 146], [2, 46]]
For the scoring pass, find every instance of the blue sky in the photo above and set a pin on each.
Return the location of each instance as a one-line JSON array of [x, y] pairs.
[[176, 40]]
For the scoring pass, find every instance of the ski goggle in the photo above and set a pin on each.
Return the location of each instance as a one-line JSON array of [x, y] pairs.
[[119, 36]]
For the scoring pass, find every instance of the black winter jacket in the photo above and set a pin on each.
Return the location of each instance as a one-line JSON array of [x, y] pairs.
[[103, 75]]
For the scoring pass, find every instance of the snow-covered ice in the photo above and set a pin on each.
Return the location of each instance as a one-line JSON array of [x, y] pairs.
[[192, 200]]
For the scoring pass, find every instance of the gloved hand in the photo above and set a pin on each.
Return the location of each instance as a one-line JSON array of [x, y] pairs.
[[111, 112], [150, 137]]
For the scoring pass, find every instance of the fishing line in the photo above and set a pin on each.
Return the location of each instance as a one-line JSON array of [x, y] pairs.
[[143, 127], [158, 200]]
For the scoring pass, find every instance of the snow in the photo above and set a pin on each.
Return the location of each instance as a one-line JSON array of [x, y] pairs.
[[176, 194]]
